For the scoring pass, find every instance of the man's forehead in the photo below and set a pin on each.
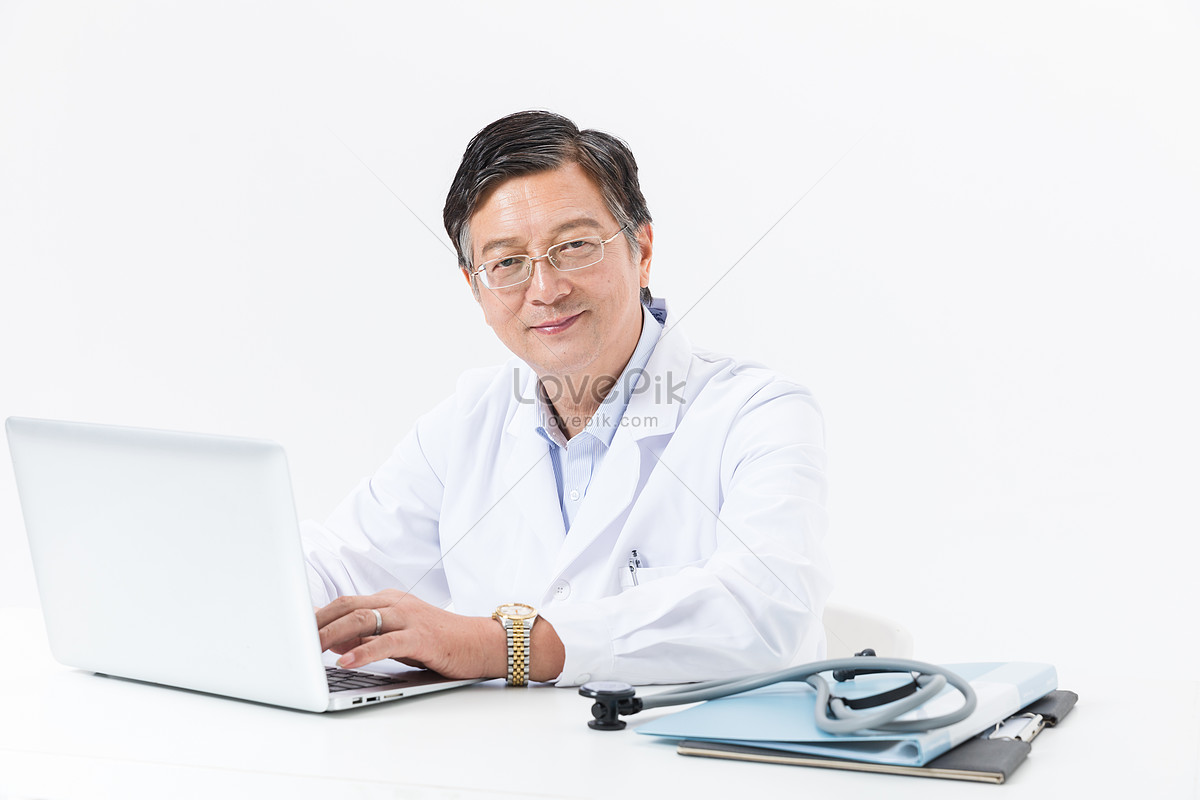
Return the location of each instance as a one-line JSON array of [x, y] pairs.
[[542, 204], [521, 233]]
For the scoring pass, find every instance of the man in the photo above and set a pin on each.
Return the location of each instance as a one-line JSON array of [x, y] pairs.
[[661, 507]]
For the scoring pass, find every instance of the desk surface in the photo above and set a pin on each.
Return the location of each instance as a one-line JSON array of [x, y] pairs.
[[67, 733]]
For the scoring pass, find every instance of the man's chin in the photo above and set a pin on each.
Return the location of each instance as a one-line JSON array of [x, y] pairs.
[[558, 362]]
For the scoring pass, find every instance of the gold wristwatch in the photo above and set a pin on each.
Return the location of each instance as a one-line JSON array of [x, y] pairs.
[[517, 619]]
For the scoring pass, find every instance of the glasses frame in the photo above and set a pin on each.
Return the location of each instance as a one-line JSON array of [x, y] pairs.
[[475, 272]]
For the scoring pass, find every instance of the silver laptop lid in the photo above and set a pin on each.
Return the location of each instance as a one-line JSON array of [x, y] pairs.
[[169, 557]]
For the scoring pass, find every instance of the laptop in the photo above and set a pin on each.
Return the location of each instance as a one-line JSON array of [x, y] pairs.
[[175, 559]]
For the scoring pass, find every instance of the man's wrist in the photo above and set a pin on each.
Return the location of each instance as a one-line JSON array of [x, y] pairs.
[[495, 648], [547, 651], [517, 620]]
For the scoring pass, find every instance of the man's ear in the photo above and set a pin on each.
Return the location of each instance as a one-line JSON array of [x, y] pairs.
[[645, 237], [474, 286]]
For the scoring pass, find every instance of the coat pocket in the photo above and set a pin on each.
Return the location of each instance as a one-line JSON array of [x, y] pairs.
[[637, 576]]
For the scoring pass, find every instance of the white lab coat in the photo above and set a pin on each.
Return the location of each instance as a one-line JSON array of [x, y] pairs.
[[722, 495]]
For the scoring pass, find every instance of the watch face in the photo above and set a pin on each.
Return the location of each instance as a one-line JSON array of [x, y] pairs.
[[516, 611]]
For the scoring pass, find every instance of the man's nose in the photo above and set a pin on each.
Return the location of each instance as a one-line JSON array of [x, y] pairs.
[[547, 284]]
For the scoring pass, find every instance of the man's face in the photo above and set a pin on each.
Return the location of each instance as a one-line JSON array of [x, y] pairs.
[[578, 323]]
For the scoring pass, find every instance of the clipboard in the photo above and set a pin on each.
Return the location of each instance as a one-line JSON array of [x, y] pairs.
[[782, 716], [990, 757]]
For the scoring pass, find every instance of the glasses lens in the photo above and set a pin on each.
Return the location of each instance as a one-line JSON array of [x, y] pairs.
[[506, 271], [577, 253]]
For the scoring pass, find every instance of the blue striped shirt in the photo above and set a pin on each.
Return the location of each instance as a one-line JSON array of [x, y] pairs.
[[576, 460]]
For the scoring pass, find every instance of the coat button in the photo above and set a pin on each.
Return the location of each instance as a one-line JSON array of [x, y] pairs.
[[562, 590]]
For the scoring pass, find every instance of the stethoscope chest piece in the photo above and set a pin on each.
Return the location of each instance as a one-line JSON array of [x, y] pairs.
[[612, 698]]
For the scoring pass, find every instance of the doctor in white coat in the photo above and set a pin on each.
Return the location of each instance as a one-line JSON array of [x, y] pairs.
[[613, 503]]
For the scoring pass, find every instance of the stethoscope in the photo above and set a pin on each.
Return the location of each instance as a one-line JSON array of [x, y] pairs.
[[834, 714]]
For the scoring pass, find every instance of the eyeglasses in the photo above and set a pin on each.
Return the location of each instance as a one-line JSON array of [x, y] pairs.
[[510, 271]]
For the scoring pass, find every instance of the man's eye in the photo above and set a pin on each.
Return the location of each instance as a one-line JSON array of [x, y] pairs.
[[573, 245], [506, 263]]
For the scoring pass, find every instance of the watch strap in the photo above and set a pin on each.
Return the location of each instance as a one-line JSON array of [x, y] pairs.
[[516, 633], [518, 652]]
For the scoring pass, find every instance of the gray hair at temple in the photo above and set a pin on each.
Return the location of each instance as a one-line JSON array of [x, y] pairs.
[[536, 141]]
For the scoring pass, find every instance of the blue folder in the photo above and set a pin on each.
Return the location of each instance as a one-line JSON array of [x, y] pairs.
[[781, 716]]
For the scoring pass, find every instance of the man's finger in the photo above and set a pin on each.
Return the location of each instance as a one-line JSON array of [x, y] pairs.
[[357, 624], [341, 646], [343, 606], [378, 648]]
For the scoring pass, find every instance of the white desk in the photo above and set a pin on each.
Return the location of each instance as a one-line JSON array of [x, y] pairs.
[[66, 734]]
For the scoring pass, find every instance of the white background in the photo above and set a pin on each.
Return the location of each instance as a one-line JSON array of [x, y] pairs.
[[992, 294]]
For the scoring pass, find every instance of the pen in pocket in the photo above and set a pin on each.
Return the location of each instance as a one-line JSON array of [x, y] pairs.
[[635, 562]]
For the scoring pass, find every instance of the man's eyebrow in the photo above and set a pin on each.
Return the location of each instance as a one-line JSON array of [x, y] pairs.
[[560, 230], [578, 222], [496, 244]]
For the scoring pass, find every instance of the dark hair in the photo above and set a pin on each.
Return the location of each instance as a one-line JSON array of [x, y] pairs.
[[536, 141]]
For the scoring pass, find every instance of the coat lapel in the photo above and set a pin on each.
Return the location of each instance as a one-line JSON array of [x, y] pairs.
[[534, 494], [652, 415], [611, 491]]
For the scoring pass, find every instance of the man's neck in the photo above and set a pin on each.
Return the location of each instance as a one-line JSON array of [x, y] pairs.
[[574, 399]]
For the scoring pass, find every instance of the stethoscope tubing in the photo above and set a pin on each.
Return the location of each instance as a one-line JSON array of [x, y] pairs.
[[833, 716]]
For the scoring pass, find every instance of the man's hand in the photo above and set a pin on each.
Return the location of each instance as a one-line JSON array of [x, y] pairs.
[[421, 635]]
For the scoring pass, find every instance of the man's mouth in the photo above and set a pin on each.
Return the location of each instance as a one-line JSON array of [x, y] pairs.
[[556, 326]]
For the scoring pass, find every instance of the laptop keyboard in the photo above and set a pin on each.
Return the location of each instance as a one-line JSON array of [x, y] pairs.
[[342, 679]]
